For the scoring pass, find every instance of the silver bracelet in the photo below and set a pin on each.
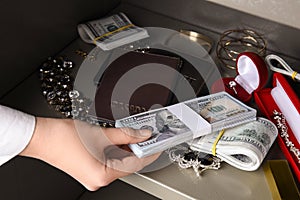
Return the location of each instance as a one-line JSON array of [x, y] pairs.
[[282, 127], [187, 158]]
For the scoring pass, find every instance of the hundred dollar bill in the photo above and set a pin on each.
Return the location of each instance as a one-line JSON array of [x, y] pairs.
[[222, 110], [167, 131], [243, 146], [182, 122], [111, 32]]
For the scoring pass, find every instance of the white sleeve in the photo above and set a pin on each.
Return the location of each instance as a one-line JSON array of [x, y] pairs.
[[16, 130]]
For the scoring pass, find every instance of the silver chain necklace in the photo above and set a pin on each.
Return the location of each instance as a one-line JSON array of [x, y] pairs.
[[281, 125]]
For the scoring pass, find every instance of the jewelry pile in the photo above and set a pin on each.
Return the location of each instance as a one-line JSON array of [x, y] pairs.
[[186, 158], [57, 87]]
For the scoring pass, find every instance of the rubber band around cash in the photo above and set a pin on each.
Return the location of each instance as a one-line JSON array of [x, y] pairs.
[[112, 32], [294, 74], [214, 147]]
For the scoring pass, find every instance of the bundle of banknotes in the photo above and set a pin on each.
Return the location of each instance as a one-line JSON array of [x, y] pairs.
[[187, 120], [244, 146], [111, 32]]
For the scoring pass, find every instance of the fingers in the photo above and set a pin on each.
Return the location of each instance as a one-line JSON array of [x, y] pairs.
[[117, 152], [126, 135], [119, 168]]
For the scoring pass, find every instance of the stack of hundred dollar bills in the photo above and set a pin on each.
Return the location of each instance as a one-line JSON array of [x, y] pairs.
[[187, 120], [244, 146], [111, 32]]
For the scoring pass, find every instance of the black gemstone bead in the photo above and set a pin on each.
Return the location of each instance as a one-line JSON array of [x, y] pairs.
[[51, 95], [206, 160], [190, 156]]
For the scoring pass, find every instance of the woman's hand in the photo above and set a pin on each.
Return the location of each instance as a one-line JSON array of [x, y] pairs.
[[92, 155]]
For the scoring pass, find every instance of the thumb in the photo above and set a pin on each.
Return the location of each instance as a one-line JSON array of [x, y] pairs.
[[127, 135]]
